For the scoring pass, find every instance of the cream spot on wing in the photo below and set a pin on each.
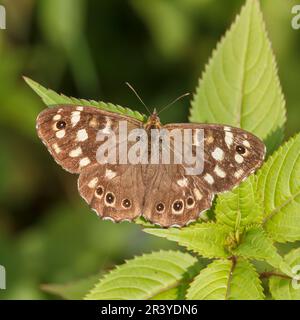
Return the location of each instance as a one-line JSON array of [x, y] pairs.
[[109, 174], [75, 153], [198, 195], [228, 138], [190, 221], [109, 219], [209, 179], [177, 212], [82, 135], [93, 122], [84, 162], [92, 184], [79, 108], [218, 154], [238, 173], [97, 213], [238, 158], [182, 182], [175, 225], [219, 172], [56, 148], [57, 117], [75, 118], [246, 143], [60, 134], [209, 139], [227, 128]]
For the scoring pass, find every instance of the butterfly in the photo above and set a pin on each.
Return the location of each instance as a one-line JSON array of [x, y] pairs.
[[161, 193]]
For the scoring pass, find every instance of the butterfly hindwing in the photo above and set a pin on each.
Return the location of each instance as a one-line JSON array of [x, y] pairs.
[[174, 199], [115, 192]]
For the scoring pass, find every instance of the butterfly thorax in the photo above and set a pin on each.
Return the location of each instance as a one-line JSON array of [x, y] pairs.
[[153, 122]]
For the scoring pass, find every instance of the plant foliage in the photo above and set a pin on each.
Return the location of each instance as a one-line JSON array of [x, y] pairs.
[[240, 87]]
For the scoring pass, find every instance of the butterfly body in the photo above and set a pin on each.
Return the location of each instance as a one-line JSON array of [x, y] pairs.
[[162, 193], [153, 122]]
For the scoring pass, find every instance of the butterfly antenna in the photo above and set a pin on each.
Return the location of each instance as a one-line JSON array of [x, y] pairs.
[[137, 95], [174, 101]]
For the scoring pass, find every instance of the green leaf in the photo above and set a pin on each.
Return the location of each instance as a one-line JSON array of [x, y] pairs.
[[51, 98], [170, 28], [74, 290], [287, 289], [279, 188], [171, 294], [256, 245], [240, 85], [143, 222], [179, 292], [241, 206], [144, 277], [245, 283], [207, 239], [225, 280]]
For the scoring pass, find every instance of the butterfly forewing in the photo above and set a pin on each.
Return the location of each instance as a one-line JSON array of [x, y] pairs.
[[230, 154], [71, 134]]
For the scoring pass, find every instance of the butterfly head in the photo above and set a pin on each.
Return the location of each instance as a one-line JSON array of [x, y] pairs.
[[153, 121]]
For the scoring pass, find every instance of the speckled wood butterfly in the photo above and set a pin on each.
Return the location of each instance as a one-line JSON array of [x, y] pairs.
[[162, 193]]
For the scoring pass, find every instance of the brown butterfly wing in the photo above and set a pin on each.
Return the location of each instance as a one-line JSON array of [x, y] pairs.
[[115, 192], [225, 163], [70, 133], [184, 197], [174, 199]]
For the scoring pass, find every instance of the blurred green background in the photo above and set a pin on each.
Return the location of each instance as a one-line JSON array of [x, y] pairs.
[[88, 49]]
